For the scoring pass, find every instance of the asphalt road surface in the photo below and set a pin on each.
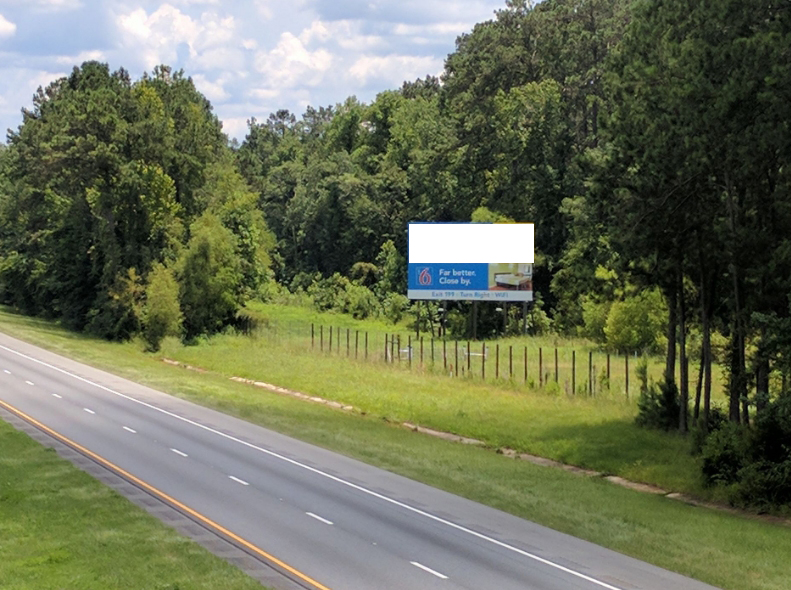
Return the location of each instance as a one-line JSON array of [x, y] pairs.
[[331, 521]]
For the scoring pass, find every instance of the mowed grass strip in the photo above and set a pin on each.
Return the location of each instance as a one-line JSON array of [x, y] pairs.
[[596, 433], [729, 551], [292, 323], [60, 528]]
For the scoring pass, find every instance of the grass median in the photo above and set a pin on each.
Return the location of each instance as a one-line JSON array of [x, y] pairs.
[[60, 528], [729, 551]]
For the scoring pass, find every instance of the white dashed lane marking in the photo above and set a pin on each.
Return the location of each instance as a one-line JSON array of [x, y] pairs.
[[179, 452], [237, 480], [89, 411], [6, 371], [429, 570], [29, 382], [130, 430], [319, 518], [57, 396]]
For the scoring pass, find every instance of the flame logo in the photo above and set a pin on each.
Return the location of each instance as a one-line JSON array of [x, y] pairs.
[[424, 278]]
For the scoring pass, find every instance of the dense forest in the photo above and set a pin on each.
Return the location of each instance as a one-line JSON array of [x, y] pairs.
[[649, 142]]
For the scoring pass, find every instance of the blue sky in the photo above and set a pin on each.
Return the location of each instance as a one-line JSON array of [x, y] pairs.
[[249, 58]]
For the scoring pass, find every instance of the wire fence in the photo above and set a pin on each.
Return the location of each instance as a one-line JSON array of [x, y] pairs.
[[530, 362]]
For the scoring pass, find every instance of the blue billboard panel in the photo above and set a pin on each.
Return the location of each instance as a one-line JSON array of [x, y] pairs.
[[482, 282]]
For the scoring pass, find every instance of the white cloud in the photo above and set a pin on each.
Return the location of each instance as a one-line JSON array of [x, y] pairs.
[[344, 33], [250, 58], [448, 28], [235, 126], [83, 56], [392, 70], [290, 63], [263, 8], [214, 91], [158, 35], [7, 28], [219, 58]]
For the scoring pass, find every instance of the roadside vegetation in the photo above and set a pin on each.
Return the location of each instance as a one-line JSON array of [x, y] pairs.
[[649, 142], [61, 528], [729, 551]]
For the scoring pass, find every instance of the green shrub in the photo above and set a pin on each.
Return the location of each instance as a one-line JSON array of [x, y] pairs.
[[210, 278], [330, 293], [636, 324], [161, 313], [360, 301], [763, 485], [723, 455], [700, 431], [594, 317], [394, 306], [658, 407], [116, 312]]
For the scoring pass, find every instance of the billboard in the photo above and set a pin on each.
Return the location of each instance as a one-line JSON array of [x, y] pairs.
[[450, 261]]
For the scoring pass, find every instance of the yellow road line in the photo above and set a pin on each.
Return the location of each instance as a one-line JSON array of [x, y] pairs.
[[164, 496]]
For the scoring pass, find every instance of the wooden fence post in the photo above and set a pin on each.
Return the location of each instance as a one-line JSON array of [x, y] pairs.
[[432, 350], [468, 357], [387, 343], [356, 343], [456, 364], [540, 367], [626, 361], [321, 337], [409, 350], [497, 363], [312, 336], [556, 365], [444, 355], [421, 352], [366, 345], [398, 346], [347, 342], [331, 331], [573, 372], [525, 365], [590, 372], [483, 360], [510, 361]]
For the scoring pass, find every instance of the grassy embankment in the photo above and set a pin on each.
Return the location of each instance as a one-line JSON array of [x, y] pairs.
[[60, 528], [721, 549]]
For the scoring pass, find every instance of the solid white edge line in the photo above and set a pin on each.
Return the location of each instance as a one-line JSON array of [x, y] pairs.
[[130, 430], [237, 480], [349, 484], [89, 410], [319, 518], [429, 570], [179, 452]]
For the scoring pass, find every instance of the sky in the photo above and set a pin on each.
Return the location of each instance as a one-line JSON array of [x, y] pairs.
[[248, 58]]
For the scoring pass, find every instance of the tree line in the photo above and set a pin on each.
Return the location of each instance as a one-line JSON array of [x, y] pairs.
[[648, 141]]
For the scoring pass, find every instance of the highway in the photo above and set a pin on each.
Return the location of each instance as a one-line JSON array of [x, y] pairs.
[[328, 520]]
